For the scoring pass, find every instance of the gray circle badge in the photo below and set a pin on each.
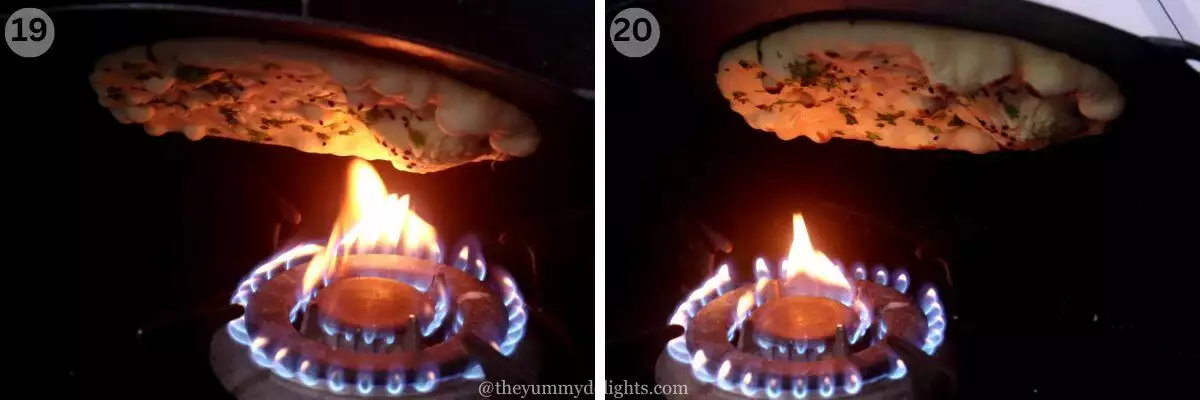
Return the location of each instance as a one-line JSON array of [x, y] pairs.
[[29, 32], [634, 32]]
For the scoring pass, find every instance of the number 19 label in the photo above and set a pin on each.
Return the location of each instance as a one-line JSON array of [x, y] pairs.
[[29, 32], [634, 32]]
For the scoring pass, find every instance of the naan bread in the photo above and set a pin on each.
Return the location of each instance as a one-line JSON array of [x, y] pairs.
[[311, 99], [911, 86]]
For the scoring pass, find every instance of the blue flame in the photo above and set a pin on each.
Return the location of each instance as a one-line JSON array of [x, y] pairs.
[[395, 383], [748, 385], [440, 308], [724, 376], [237, 331], [853, 382], [881, 275], [366, 384], [329, 327], [773, 388], [258, 352], [800, 388], [368, 337], [335, 380], [426, 381], [864, 321], [900, 282], [898, 370], [801, 348], [700, 369], [826, 387], [458, 322], [761, 270], [308, 374], [349, 336], [518, 316], [474, 371], [677, 349], [469, 257], [281, 366], [934, 314], [860, 271]]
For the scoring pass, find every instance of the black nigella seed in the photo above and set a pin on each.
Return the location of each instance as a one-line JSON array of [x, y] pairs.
[[273, 101], [411, 165], [879, 93], [279, 77], [330, 103], [262, 82], [299, 81], [931, 90], [321, 122]]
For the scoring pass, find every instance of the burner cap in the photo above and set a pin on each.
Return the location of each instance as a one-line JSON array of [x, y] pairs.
[[370, 303], [801, 318]]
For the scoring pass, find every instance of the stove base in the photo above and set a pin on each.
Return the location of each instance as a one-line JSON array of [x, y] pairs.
[[670, 372], [246, 380]]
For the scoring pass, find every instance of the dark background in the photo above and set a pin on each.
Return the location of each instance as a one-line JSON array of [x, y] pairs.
[[1066, 266], [137, 242]]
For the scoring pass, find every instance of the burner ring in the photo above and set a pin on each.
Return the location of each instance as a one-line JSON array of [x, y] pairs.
[[709, 333], [272, 308]]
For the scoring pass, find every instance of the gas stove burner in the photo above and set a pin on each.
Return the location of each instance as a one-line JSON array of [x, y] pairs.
[[806, 328], [377, 313]]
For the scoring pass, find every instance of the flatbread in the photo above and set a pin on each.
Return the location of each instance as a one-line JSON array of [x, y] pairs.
[[911, 86], [311, 99]]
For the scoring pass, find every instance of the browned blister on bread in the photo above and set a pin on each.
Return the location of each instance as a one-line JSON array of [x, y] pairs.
[[310, 99], [912, 86]]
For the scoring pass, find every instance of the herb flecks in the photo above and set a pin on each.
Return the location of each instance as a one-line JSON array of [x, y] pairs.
[[740, 97], [257, 136], [346, 132], [306, 128], [917, 121], [276, 123], [323, 136], [839, 133], [935, 130], [230, 115], [418, 137], [806, 72], [849, 114], [956, 122], [872, 136], [270, 66], [890, 119], [1013, 111]]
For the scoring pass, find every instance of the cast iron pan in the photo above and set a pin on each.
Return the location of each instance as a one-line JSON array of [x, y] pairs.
[[1056, 255]]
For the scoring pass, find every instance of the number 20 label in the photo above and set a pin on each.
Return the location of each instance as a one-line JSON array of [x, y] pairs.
[[29, 32], [634, 32]]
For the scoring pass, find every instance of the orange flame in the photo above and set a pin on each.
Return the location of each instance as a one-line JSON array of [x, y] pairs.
[[805, 266], [371, 220]]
